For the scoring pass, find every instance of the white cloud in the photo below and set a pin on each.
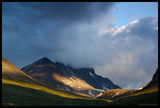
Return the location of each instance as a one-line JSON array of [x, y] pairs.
[[116, 31], [135, 55]]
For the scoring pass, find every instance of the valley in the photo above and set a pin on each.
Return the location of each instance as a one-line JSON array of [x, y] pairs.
[[26, 89]]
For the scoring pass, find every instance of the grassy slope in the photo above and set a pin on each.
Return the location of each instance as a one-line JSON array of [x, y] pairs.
[[20, 96], [26, 91], [19, 85], [150, 99]]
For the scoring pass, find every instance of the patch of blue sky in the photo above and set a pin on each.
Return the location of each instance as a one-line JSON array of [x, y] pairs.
[[125, 12]]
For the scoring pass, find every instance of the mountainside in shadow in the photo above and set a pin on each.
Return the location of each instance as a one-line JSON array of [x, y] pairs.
[[59, 76], [149, 88]]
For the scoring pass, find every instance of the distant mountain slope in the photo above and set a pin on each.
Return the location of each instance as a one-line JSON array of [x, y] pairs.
[[11, 72], [97, 81], [64, 77], [114, 94]]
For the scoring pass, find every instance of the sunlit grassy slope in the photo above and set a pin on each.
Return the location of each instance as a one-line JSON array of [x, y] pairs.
[[149, 99], [15, 78], [42, 88], [19, 89], [11, 72], [20, 96], [116, 94], [12, 75]]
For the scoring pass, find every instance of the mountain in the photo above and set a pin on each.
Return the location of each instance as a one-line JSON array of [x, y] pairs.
[[56, 76], [152, 83], [149, 88], [97, 81], [20, 89], [11, 72], [14, 76], [59, 76]]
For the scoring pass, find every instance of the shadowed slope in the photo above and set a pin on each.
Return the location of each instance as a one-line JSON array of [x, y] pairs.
[[116, 94]]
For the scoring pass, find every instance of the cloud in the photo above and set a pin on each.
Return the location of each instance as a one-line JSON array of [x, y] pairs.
[[136, 57], [57, 30], [64, 12], [81, 35]]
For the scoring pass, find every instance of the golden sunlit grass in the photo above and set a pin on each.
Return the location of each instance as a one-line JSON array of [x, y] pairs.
[[116, 92], [8, 67], [11, 71], [141, 92], [73, 82], [51, 91], [146, 91], [14, 76], [37, 87]]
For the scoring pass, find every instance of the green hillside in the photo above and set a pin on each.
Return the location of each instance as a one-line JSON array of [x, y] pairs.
[[22, 90], [19, 89], [19, 96], [150, 99]]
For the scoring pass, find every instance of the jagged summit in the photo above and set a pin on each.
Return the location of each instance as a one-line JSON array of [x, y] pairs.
[[43, 61]]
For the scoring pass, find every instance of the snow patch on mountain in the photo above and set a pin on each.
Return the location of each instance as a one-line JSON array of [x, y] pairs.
[[91, 74]]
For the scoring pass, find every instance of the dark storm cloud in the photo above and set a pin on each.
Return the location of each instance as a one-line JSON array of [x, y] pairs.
[[66, 12], [69, 11], [34, 30]]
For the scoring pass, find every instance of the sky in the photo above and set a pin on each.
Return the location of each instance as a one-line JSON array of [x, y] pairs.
[[118, 39], [125, 12]]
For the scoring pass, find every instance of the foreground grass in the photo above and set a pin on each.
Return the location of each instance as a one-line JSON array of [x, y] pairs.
[[41, 88], [148, 91], [150, 99], [13, 95], [48, 90], [19, 96], [16, 93]]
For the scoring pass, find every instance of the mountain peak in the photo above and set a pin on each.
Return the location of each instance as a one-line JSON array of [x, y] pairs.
[[43, 60]]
